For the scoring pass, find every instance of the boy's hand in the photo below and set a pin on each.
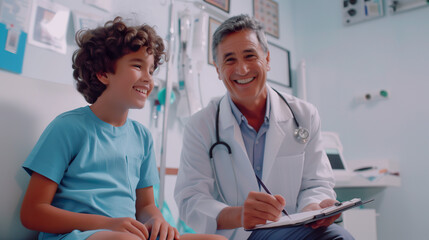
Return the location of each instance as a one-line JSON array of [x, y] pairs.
[[128, 225], [160, 227]]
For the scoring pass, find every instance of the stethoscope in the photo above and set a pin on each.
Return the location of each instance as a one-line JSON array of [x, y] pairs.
[[301, 135]]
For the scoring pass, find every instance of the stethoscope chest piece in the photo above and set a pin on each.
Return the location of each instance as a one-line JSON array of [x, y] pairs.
[[301, 135]]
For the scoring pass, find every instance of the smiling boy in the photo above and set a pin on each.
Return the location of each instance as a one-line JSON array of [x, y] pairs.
[[93, 168]]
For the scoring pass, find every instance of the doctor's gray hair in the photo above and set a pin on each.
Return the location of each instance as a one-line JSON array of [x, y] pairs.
[[235, 24]]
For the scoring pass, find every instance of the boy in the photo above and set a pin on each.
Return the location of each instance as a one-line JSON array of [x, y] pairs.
[[93, 169]]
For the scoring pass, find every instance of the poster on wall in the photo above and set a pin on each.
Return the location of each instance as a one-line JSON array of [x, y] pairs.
[[16, 13], [267, 12], [85, 21], [13, 33], [48, 26], [105, 5]]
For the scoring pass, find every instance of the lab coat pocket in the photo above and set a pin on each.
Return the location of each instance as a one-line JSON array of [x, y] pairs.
[[285, 177]]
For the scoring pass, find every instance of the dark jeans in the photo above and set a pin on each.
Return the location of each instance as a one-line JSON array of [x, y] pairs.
[[332, 232]]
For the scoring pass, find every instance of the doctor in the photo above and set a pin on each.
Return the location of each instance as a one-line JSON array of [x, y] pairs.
[[222, 194]]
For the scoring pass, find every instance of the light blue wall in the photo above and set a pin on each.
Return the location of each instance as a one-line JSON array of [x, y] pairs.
[[392, 53]]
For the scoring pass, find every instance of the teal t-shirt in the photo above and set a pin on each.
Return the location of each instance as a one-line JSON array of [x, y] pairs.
[[97, 166]]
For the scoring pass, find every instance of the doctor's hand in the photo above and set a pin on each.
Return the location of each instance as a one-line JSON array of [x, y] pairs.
[[260, 207], [323, 204]]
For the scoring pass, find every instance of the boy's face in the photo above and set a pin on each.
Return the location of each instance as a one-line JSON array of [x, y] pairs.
[[132, 82]]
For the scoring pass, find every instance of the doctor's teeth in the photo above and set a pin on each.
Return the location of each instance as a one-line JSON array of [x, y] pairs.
[[244, 81]]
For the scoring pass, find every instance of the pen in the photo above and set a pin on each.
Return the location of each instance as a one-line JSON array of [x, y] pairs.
[[268, 191], [364, 169]]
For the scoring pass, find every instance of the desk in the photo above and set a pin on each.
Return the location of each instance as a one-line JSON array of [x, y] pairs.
[[358, 180], [356, 184]]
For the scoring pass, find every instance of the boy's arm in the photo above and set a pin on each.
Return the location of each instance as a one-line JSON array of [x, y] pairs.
[[38, 214], [149, 214]]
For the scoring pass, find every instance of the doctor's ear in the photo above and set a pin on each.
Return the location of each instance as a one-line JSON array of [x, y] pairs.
[[103, 78], [268, 61], [217, 70]]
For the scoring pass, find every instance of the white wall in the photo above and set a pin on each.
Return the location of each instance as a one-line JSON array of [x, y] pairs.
[[390, 53], [26, 107]]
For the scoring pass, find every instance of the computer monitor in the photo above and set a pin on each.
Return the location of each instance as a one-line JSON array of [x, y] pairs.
[[336, 160], [339, 166]]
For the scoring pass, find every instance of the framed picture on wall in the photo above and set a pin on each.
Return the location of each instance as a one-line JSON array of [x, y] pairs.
[[221, 4], [213, 25], [267, 12], [280, 72]]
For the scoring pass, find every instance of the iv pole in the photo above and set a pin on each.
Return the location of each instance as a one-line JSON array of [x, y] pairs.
[[168, 88]]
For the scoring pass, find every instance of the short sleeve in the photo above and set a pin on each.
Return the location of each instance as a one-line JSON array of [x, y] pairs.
[[53, 151]]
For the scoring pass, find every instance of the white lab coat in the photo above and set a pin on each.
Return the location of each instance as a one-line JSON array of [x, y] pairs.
[[301, 173]]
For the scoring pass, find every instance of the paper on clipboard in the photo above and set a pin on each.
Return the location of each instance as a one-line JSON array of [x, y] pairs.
[[311, 216]]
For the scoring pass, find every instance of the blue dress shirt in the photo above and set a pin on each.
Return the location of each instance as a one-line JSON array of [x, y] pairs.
[[253, 141]]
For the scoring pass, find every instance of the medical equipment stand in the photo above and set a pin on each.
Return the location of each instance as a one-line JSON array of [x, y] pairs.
[[168, 88]]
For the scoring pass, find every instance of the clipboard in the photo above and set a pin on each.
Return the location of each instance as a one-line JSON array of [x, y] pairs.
[[303, 218]]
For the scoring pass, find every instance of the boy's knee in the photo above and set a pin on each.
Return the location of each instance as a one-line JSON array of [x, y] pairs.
[[107, 235], [202, 236]]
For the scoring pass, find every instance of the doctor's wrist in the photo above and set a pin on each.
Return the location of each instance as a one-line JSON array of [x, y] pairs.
[[230, 218]]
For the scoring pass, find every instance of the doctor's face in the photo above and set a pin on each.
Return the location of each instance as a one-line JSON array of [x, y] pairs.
[[242, 65]]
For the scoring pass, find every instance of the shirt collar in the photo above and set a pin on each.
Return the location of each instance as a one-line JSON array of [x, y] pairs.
[[240, 117]]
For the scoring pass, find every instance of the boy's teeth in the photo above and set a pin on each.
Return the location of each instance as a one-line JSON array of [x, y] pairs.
[[141, 90], [244, 81]]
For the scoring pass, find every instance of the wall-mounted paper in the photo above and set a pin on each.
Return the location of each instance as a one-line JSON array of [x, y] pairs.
[[105, 5], [48, 26], [86, 21], [15, 13], [12, 54]]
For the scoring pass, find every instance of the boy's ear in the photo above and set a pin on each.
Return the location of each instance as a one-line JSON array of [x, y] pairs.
[[102, 77]]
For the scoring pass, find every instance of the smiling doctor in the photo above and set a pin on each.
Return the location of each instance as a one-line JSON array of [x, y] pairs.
[[253, 132]]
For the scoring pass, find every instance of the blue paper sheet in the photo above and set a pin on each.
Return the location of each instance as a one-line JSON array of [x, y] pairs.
[[11, 61]]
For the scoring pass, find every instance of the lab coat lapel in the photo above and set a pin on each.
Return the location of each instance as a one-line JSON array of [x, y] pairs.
[[226, 122], [275, 135], [230, 132]]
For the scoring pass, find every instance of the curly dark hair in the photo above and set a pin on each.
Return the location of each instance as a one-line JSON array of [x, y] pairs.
[[100, 48]]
